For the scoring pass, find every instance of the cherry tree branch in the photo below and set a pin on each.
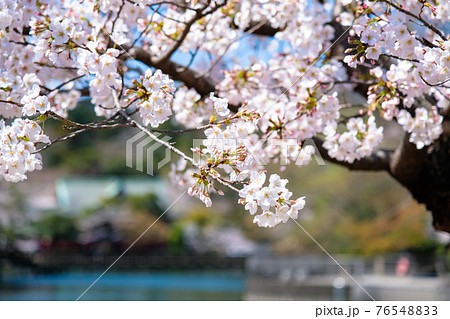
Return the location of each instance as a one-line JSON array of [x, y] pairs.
[[407, 162], [173, 149], [419, 18], [383, 160], [160, 3], [205, 85], [246, 33], [399, 58], [264, 29], [83, 130], [198, 15], [441, 84], [378, 161], [65, 83], [117, 16], [189, 77]]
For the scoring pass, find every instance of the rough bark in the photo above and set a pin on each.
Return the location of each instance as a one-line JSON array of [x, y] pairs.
[[203, 85], [429, 181]]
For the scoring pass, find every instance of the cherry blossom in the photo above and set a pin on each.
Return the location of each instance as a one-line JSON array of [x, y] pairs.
[[273, 200], [220, 105], [145, 63], [18, 146], [155, 96]]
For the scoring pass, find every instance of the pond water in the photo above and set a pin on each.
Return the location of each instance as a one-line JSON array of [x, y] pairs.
[[124, 286]]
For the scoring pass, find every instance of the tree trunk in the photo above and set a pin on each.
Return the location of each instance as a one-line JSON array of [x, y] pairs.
[[432, 185]]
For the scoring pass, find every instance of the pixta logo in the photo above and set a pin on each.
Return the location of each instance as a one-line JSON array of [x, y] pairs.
[[141, 148]]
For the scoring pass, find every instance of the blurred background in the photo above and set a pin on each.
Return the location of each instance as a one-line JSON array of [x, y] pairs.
[[65, 225]]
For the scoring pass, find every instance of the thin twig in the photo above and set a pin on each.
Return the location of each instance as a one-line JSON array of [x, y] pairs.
[[82, 130], [65, 83], [117, 16], [440, 84], [400, 58]]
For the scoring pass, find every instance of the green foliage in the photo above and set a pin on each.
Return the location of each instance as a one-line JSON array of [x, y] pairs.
[[55, 226], [175, 238], [145, 203]]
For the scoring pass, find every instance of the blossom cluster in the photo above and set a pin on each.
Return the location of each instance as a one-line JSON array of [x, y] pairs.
[[424, 127], [34, 103], [223, 155], [189, 109], [241, 84], [24, 95], [18, 147], [155, 96], [296, 110], [312, 37], [65, 102], [226, 149], [220, 105], [103, 68], [421, 62], [202, 186], [274, 200], [360, 139], [211, 34], [294, 122]]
